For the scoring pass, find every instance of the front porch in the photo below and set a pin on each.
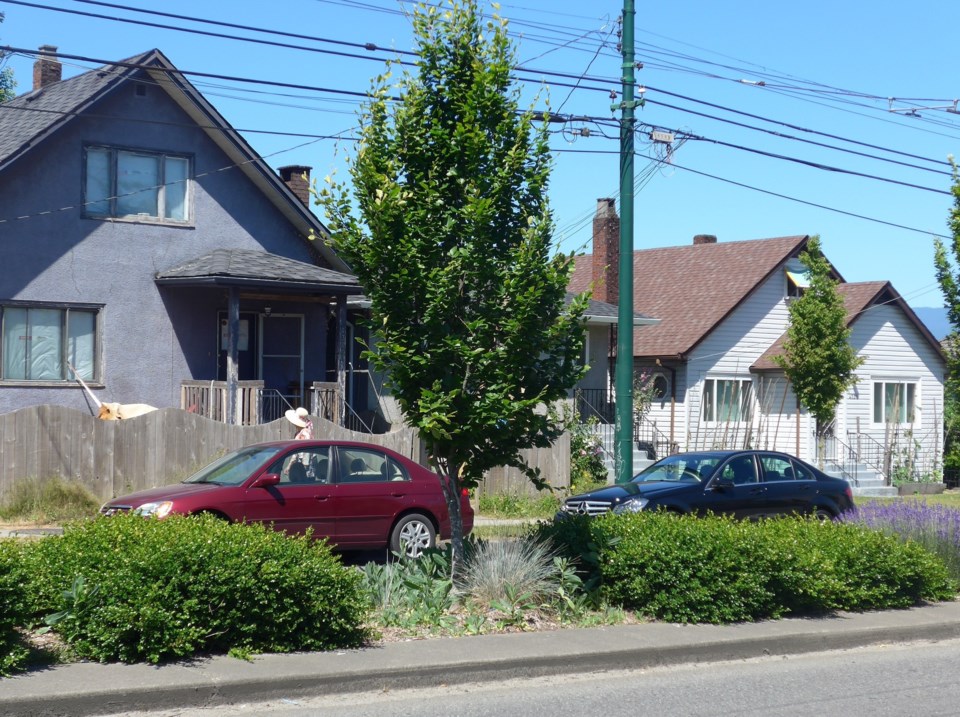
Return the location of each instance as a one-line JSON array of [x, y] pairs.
[[254, 404]]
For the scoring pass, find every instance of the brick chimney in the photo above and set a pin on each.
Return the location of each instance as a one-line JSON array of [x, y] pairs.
[[705, 239], [297, 178], [47, 68], [606, 252]]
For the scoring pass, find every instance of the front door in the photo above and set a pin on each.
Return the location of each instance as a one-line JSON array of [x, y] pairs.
[[281, 357]]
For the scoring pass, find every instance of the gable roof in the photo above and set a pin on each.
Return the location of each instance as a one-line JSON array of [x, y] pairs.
[[857, 298], [26, 121], [692, 288], [247, 267]]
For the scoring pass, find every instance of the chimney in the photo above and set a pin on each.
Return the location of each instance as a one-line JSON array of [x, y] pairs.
[[47, 68], [705, 239], [297, 178], [606, 252]]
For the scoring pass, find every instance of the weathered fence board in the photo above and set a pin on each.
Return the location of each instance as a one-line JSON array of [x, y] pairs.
[[163, 447]]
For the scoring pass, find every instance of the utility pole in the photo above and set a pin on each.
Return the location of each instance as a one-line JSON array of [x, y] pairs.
[[624, 367]]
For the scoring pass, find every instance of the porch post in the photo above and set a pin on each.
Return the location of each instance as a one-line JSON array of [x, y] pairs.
[[233, 374], [341, 360]]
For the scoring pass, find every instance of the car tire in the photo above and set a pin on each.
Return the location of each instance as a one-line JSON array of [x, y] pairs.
[[823, 514], [412, 534]]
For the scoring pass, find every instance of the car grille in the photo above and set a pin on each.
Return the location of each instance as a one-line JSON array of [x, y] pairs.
[[586, 507], [114, 509]]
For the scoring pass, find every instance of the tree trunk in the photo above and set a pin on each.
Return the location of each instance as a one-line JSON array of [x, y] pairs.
[[451, 493]]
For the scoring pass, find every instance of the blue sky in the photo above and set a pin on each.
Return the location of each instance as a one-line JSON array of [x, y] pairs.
[[827, 70]]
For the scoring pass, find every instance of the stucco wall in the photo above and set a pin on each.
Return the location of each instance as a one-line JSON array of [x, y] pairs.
[[59, 256]]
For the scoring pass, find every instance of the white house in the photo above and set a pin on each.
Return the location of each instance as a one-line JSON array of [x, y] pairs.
[[723, 310]]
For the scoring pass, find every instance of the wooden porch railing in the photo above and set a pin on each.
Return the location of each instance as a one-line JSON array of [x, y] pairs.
[[209, 399]]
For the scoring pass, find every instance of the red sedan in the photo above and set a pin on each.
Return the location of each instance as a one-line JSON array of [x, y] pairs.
[[356, 495]]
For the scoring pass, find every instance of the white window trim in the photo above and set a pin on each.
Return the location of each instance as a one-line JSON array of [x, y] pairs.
[[751, 401], [917, 399]]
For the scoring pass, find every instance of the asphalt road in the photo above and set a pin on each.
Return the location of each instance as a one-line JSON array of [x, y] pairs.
[[916, 678]]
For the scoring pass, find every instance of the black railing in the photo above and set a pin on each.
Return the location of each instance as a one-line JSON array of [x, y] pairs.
[[595, 403], [274, 404], [651, 442]]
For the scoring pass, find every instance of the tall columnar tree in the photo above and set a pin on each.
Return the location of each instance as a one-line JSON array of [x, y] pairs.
[[453, 247], [7, 83], [817, 358], [947, 277]]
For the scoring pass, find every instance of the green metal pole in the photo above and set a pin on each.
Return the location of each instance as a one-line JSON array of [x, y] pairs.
[[624, 368]]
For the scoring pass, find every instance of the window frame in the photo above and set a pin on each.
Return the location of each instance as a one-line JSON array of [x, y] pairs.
[[794, 289], [67, 378], [744, 401], [113, 213], [908, 412]]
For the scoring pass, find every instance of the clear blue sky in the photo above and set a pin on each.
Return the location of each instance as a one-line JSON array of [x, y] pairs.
[[827, 68]]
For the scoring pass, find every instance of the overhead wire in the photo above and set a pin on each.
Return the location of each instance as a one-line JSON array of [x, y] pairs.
[[578, 85]]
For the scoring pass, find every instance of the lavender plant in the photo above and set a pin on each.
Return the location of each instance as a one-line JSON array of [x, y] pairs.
[[934, 526]]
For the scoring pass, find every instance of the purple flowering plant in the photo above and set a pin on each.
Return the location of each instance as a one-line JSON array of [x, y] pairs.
[[934, 526]]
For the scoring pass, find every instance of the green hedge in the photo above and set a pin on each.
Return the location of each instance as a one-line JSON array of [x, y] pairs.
[[13, 607], [153, 590], [718, 570]]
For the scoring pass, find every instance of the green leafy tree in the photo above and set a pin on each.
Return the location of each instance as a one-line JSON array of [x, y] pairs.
[[7, 83], [947, 277], [453, 247], [817, 358]]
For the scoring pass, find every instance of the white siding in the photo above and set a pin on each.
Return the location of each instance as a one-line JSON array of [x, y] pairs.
[[728, 353], [894, 350]]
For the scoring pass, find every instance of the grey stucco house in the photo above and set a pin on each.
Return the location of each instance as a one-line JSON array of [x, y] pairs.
[[146, 247]]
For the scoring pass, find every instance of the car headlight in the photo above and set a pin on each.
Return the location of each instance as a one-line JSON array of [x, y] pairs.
[[631, 506], [157, 510]]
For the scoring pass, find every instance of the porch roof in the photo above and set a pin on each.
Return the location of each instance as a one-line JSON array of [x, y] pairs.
[[258, 269]]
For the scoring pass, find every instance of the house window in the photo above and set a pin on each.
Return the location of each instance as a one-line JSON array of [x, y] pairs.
[[133, 184], [894, 402], [41, 343], [727, 400], [797, 283]]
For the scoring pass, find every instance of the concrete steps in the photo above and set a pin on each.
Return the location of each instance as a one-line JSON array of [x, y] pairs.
[[607, 435], [864, 481]]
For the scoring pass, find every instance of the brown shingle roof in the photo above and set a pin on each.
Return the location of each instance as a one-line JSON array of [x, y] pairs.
[[692, 288]]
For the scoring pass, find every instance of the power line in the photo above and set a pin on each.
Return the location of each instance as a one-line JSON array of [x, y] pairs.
[[810, 204]]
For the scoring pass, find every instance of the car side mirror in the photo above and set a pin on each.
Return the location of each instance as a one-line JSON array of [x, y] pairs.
[[722, 484], [266, 480]]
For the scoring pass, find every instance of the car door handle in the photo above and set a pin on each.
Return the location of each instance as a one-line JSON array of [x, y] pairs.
[[321, 497], [399, 495]]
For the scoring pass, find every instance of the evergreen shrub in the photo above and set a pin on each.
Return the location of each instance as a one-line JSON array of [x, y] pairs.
[[13, 613], [134, 589], [719, 570]]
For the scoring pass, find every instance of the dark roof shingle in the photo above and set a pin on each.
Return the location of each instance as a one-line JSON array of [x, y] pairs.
[[692, 288]]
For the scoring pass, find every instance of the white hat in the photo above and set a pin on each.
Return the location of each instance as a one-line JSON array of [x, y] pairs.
[[298, 417]]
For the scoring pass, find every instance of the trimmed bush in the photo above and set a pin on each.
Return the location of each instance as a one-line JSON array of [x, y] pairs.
[[718, 570], [154, 590], [13, 613]]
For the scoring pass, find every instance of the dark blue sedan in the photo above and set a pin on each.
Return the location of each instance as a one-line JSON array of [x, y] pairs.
[[745, 484]]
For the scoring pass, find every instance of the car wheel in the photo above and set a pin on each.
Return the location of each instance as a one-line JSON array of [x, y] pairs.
[[823, 514], [412, 535]]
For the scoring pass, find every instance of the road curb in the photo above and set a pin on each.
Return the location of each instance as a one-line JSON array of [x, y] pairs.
[[94, 689]]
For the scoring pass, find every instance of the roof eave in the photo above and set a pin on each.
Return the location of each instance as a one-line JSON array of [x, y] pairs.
[[297, 287]]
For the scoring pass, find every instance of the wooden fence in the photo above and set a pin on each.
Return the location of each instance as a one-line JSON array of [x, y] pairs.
[[111, 458]]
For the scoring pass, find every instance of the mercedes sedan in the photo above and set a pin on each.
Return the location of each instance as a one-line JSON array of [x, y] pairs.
[[745, 484], [356, 495]]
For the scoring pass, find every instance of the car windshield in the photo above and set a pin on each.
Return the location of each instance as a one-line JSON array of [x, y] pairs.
[[680, 468], [235, 467]]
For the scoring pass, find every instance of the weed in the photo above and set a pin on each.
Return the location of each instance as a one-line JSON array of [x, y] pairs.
[[53, 500]]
